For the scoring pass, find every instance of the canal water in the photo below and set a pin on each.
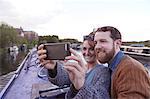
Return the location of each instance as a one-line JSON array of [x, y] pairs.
[[8, 64], [10, 61]]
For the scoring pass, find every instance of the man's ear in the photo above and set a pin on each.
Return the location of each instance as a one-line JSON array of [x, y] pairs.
[[118, 42]]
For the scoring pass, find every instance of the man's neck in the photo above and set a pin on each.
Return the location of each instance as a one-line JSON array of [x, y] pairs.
[[114, 56]]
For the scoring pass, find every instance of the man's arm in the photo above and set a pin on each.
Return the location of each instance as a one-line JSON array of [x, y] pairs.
[[133, 83]]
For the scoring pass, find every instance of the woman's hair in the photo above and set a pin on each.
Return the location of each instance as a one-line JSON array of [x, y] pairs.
[[89, 38]]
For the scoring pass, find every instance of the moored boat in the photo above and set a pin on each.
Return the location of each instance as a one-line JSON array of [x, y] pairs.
[[30, 81]]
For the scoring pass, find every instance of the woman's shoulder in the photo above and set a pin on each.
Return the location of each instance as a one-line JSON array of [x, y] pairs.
[[102, 75], [102, 69]]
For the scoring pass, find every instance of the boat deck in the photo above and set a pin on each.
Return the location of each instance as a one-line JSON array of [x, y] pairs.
[[23, 83]]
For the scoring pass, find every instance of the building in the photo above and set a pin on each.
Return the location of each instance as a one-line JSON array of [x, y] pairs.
[[20, 32], [30, 35]]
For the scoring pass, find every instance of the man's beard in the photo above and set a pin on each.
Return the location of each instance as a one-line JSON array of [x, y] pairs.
[[103, 56]]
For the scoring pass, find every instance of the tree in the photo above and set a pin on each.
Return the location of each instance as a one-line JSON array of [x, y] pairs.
[[8, 36], [48, 39], [70, 40]]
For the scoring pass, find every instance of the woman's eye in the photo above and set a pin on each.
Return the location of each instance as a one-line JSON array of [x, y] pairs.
[[84, 48], [95, 42], [91, 49]]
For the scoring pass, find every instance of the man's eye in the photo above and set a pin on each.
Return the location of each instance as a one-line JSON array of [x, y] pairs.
[[103, 41]]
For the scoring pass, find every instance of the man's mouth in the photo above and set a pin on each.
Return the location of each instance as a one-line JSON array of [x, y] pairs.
[[99, 51]]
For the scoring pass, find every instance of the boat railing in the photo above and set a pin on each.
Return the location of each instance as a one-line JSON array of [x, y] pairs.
[[143, 51], [17, 72], [57, 91], [41, 73]]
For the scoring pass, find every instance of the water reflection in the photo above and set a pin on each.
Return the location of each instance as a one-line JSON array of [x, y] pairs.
[[13, 55], [10, 61]]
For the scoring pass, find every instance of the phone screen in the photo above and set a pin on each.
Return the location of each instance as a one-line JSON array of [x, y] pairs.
[[57, 51]]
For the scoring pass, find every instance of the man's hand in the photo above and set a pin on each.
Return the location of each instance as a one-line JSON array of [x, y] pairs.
[[49, 64], [76, 69]]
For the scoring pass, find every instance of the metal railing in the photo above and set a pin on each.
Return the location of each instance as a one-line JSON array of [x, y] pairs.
[[17, 72]]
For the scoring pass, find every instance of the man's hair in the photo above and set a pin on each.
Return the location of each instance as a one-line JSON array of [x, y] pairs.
[[115, 34]]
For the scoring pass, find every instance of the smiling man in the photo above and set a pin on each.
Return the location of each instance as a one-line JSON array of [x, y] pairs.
[[129, 78]]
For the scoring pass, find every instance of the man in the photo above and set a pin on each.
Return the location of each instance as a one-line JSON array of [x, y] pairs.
[[129, 79]]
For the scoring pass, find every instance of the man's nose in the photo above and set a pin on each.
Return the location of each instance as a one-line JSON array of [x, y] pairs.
[[98, 45]]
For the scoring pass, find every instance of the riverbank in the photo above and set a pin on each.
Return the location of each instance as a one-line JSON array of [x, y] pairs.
[[4, 79], [10, 61]]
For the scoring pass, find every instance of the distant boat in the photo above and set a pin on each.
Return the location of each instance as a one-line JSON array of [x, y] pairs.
[[76, 46], [13, 49], [138, 50]]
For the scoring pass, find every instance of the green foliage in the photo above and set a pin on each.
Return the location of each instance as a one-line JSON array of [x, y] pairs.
[[48, 39], [69, 40], [54, 39], [147, 43], [23, 41], [31, 44], [8, 36]]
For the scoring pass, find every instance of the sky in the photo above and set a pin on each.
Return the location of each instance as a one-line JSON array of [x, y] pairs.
[[76, 18]]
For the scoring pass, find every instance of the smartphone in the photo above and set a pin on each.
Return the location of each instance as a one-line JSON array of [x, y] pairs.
[[57, 51]]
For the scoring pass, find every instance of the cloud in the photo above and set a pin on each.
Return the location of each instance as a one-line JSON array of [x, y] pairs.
[[75, 18], [29, 13], [7, 11]]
